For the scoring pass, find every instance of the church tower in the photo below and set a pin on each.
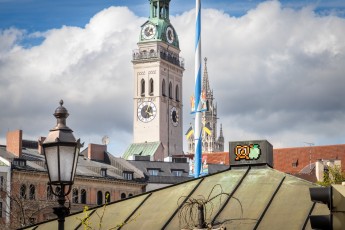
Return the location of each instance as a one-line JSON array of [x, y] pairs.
[[210, 142], [158, 71]]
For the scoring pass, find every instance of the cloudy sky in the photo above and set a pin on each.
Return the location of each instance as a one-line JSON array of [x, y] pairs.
[[277, 68]]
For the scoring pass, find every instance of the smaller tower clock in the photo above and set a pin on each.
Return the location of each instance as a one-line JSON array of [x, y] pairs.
[[174, 116], [170, 34]]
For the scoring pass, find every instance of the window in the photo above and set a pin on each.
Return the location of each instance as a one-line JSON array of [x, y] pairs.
[[127, 175], [177, 93], [32, 192], [153, 172], [123, 196], [99, 197], [2, 183], [142, 88], [151, 87], [49, 193], [83, 196], [23, 191], [107, 197], [19, 162], [163, 88], [130, 195], [176, 172], [0, 210], [75, 196], [295, 163], [104, 172], [170, 90]]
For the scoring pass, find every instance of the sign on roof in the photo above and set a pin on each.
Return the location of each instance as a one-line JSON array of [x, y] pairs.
[[251, 152]]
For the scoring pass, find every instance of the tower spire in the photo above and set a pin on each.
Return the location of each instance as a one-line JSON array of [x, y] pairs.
[[205, 81], [221, 131]]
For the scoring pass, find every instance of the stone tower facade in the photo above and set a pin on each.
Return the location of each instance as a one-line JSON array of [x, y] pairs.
[[210, 141], [158, 71]]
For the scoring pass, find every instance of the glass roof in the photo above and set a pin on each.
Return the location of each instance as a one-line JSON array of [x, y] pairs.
[[240, 198]]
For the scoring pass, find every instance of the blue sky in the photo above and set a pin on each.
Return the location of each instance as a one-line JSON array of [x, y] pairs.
[[40, 15], [276, 68]]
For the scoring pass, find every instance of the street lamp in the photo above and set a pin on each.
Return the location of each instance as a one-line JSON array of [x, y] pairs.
[[61, 152]]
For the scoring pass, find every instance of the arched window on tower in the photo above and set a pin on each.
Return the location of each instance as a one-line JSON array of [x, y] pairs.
[[151, 87], [99, 198], [170, 90], [142, 88], [177, 93], [123, 196], [163, 88]]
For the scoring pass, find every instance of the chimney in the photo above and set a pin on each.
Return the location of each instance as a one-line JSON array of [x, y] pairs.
[[319, 170], [14, 142], [40, 149], [96, 152]]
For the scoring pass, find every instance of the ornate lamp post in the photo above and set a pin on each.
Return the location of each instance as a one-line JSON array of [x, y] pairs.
[[61, 152]]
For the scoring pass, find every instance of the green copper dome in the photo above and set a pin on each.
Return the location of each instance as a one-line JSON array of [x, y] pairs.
[[158, 27]]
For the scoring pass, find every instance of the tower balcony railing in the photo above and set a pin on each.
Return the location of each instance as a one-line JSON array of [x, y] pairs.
[[161, 53]]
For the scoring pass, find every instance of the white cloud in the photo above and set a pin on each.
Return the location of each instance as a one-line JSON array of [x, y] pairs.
[[277, 73]]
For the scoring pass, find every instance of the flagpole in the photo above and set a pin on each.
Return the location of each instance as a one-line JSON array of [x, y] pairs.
[[197, 128]]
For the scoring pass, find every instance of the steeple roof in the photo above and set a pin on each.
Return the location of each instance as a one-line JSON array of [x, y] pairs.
[[205, 81]]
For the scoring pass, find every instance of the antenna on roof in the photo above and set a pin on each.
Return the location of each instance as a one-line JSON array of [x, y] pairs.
[[105, 140]]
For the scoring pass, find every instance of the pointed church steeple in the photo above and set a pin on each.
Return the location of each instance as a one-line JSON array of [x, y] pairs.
[[205, 81], [221, 132]]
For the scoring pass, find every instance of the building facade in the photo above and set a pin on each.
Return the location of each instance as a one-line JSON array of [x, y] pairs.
[[211, 142], [25, 197]]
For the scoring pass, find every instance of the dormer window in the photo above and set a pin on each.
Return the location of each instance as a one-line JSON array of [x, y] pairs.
[[153, 172], [127, 175], [177, 172], [104, 172], [19, 162]]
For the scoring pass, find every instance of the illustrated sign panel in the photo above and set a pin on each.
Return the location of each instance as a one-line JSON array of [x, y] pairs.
[[251, 152]]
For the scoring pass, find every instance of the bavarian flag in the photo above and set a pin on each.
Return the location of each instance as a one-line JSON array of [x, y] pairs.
[[207, 129], [189, 132]]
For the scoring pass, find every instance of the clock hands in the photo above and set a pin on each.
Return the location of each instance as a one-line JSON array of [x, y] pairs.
[[148, 111]]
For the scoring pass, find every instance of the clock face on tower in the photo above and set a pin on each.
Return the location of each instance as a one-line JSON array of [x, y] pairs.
[[174, 116], [147, 111], [169, 33], [148, 31]]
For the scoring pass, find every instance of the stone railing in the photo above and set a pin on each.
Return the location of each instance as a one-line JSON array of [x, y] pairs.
[[161, 53]]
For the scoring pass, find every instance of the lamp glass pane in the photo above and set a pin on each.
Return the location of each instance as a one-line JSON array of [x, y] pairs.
[[67, 154], [77, 150], [52, 162]]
